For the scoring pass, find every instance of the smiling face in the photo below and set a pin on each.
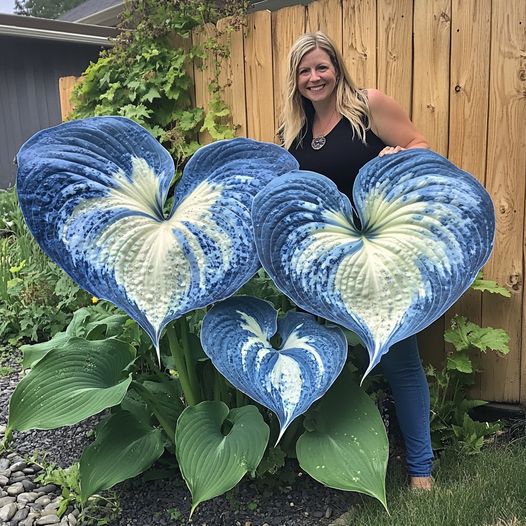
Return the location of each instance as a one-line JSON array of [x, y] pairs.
[[316, 76]]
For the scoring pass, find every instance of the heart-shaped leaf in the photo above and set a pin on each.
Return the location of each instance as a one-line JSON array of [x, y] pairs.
[[428, 228], [93, 191], [236, 336], [346, 446], [71, 383], [124, 447], [213, 460]]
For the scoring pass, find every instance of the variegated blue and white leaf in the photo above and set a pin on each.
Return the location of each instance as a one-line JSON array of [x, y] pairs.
[[428, 228], [92, 192], [236, 336]]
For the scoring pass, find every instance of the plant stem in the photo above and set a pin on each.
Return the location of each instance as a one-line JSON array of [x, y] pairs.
[[178, 356], [188, 358], [290, 434], [169, 429]]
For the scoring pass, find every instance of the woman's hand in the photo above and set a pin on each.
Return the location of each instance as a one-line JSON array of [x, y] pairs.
[[388, 150]]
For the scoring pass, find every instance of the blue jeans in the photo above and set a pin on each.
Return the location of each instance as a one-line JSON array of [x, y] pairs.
[[403, 370]]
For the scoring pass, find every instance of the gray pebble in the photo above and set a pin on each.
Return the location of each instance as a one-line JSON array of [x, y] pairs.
[[15, 489], [24, 498], [18, 466], [4, 463], [7, 511], [47, 519], [72, 519], [48, 488], [3, 480], [53, 506], [29, 471], [43, 501], [20, 515], [6, 500], [29, 521], [5, 472], [28, 485]]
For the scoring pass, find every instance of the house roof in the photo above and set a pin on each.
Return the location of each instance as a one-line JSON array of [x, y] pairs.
[[43, 28], [106, 12], [95, 12]]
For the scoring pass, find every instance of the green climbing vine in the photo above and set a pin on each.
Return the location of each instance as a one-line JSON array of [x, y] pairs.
[[146, 75]]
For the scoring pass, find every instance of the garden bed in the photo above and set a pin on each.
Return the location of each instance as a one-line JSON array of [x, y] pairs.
[[295, 499]]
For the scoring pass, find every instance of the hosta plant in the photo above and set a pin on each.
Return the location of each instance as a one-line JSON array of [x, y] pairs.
[[93, 194]]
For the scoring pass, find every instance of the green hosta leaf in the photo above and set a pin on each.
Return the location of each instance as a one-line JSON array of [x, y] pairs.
[[464, 334], [460, 362], [212, 461], [345, 445], [70, 384], [124, 447], [90, 323], [488, 285]]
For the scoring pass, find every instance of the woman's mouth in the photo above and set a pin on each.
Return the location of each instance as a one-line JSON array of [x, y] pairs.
[[317, 88]]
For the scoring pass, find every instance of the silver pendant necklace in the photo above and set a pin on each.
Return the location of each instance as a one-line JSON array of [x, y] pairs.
[[318, 143]]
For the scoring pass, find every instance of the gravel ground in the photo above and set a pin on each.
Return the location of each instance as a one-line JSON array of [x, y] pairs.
[[150, 502]]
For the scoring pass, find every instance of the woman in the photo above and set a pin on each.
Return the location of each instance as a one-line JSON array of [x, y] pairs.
[[334, 128]]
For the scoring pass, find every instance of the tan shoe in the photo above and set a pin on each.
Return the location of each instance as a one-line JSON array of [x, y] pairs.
[[421, 483]]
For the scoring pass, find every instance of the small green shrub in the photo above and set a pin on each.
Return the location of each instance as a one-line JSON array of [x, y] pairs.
[[37, 299], [451, 424]]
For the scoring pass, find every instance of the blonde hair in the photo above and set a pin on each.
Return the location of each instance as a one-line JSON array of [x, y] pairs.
[[351, 102]]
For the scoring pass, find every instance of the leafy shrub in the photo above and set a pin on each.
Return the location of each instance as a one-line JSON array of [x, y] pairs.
[[37, 297]]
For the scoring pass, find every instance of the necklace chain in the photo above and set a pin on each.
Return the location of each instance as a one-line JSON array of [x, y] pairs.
[[319, 142]]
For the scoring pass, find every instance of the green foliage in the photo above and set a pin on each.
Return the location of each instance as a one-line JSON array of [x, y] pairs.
[[100, 511], [147, 77], [338, 429], [6, 371], [37, 298], [70, 383], [65, 478], [125, 446], [485, 285], [451, 424], [234, 441], [44, 8]]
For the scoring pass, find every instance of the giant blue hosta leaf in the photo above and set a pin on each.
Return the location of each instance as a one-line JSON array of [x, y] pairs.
[[236, 334], [92, 192], [428, 228]]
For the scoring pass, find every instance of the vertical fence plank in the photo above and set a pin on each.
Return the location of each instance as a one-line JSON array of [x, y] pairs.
[[468, 114], [259, 77], [394, 49], [232, 76], [505, 181], [287, 25], [432, 33], [359, 44], [65, 89], [204, 72], [326, 16], [430, 109]]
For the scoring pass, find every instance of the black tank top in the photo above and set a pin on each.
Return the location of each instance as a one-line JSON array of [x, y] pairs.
[[341, 157]]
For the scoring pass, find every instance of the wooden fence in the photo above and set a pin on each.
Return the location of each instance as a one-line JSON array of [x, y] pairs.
[[459, 68]]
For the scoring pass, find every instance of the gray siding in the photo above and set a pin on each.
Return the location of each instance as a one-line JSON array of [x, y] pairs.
[[29, 96]]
